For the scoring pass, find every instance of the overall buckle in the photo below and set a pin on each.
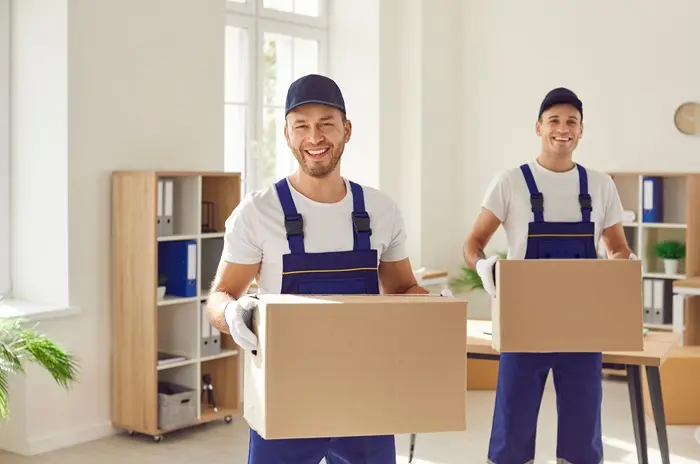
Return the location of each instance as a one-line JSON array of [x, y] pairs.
[[586, 202], [294, 225], [361, 222], [537, 202]]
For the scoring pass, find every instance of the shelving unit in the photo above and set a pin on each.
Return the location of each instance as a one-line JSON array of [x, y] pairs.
[[143, 325], [681, 221]]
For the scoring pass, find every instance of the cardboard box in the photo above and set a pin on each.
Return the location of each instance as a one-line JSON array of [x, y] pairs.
[[356, 365], [577, 305]]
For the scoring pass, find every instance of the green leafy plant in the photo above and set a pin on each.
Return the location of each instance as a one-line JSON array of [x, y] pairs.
[[468, 279], [19, 345], [670, 249]]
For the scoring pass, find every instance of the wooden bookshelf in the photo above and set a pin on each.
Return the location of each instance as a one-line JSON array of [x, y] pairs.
[[142, 324], [681, 221]]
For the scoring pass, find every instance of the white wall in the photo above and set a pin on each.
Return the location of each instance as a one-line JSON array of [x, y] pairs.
[[99, 85], [398, 77]]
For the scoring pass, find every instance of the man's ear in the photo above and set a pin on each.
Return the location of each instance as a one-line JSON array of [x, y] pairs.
[[580, 136], [538, 128], [286, 134], [348, 130]]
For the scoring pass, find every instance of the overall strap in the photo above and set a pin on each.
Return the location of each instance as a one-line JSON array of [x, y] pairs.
[[583, 197], [360, 218], [536, 198], [293, 222]]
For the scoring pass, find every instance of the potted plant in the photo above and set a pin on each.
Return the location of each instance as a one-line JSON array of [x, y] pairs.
[[19, 345], [671, 251], [162, 279], [468, 279]]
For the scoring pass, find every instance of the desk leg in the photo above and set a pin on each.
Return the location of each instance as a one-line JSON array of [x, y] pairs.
[[634, 383], [413, 448], [657, 406]]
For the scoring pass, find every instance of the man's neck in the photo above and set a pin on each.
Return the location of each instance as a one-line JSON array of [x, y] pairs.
[[556, 163], [330, 189]]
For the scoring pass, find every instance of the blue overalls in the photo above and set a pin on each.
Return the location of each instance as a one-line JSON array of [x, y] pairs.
[[339, 272], [577, 376]]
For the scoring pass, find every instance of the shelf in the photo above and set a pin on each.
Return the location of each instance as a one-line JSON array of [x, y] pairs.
[[226, 383], [169, 300], [184, 376], [220, 195], [179, 203], [142, 325], [209, 415], [225, 352]]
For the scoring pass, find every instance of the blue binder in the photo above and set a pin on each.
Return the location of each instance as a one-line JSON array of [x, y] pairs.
[[652, 199], [177, 261]]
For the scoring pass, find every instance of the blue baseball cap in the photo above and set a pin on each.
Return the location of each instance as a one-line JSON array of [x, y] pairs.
[[558, 96], [314, 88]]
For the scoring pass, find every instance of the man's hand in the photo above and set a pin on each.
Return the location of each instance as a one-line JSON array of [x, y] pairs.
[[446, 292], [624, 255], [239, 316], [485, 269]]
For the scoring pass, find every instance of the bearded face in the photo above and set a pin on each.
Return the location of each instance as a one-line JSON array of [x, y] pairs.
[[317, 135]]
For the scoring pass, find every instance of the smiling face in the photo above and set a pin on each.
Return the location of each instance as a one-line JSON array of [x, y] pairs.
[[317, 135], [561, 129]]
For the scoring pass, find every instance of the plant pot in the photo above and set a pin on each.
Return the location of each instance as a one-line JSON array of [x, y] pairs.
[[671, 266], [161, 292]]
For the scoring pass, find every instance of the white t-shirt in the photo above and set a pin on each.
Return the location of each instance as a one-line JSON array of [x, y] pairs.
[[255, 230], [509, 199]]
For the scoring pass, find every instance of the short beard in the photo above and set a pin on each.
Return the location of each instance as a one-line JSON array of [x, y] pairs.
[[319, 172]]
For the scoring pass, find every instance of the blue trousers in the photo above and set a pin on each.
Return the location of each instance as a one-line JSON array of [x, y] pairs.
[[344, 450], [521, 381]]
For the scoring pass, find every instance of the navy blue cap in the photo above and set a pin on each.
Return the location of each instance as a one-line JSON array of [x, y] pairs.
[[314, 88], [560, 96]]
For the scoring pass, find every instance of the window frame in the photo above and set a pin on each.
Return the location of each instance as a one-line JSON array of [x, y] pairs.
[[5, 75], [258, 20]]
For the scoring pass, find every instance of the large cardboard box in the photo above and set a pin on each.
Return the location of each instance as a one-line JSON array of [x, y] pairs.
[[560, 305], [356, 365]]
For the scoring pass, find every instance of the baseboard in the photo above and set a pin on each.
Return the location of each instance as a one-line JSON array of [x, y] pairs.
[[65, 439]]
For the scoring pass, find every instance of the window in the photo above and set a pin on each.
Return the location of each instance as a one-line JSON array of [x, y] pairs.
[[4, 147], [269, 44]]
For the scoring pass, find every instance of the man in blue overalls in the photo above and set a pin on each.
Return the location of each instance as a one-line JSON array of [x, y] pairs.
[[312, 232], [552, 208]]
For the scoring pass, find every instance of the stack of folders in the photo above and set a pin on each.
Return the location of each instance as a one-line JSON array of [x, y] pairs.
[[658, 301], [165, 207], [211, 338]]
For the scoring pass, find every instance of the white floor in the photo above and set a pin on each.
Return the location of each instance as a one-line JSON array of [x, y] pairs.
[[227, 443]]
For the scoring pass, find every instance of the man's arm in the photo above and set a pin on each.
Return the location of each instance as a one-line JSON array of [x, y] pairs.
[[616, 242], [397, 277], [230, 283], [239, 264], [485, 226]]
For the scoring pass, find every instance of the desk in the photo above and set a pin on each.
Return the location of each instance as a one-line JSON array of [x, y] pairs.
[[657, 346]]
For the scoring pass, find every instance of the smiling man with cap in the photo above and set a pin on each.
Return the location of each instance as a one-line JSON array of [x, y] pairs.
[[313, 232], [550, 207]]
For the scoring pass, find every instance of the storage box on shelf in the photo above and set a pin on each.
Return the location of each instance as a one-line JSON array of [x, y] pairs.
[[169, 368], [667, 208]]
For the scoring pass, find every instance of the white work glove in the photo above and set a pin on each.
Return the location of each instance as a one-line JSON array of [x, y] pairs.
[[633, 256], [484, 267], [239, 317]]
